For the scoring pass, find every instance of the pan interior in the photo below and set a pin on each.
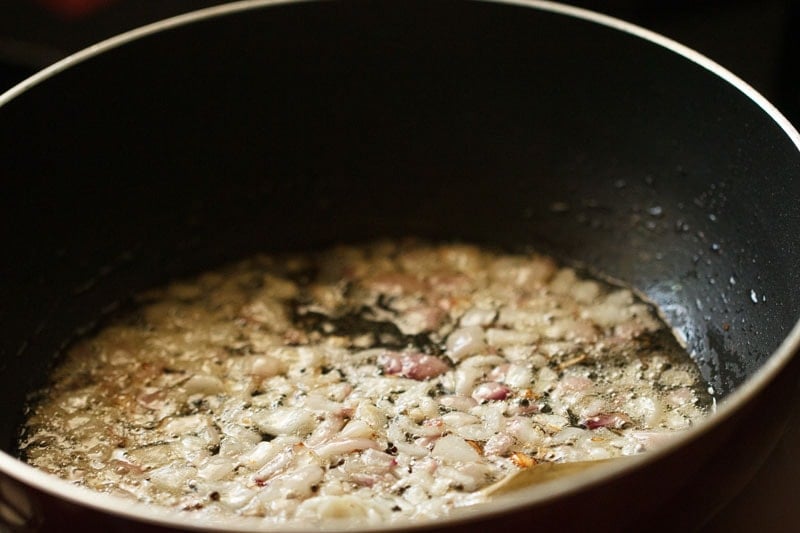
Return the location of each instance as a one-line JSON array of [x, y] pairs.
[[306, 124]]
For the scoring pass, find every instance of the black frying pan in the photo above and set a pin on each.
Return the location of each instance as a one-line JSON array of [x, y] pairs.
[[290, 125]]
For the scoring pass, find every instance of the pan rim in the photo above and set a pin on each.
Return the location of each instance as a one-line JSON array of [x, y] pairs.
[[535, 496]]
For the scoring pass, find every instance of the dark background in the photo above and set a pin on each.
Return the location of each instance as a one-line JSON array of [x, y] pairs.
[[757, 40]]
